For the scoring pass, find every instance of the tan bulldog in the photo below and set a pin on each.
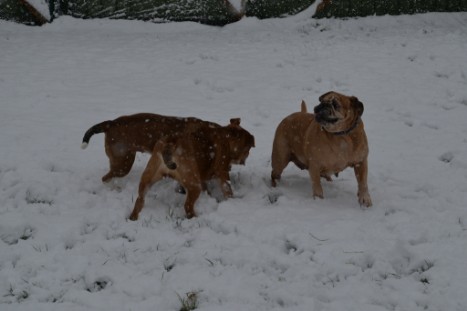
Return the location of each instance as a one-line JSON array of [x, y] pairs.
[[324, 143]]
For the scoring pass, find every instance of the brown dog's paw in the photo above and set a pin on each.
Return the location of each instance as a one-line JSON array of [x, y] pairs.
[[365, 199], [190, 215], [133, 217]]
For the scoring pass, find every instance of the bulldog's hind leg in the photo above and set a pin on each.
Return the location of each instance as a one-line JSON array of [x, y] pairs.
[[361, 173], [281, 156], [315, 176], [120, 166]]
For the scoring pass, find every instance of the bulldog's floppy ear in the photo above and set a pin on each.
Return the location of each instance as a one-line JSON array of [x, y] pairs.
[[324, 95], [235, 122], [357, 105]]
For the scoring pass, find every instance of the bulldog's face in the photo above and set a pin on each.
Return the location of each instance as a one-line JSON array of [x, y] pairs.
[[337, 112]]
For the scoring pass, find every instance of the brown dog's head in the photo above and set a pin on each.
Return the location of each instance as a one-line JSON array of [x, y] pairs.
[[240, 142], [337, 112]]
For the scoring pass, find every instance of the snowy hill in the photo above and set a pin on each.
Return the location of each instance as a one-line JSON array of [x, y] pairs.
[[66, 243]]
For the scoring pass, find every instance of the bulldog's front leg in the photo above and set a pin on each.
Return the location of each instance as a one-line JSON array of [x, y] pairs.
[[315, 177], [361, 173]]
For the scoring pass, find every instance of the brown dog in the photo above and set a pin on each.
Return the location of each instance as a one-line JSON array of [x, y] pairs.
[[127, 135], [197, 159], [324, 143]]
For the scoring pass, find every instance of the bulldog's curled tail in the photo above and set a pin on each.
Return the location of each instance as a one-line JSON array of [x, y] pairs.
[[304, 110], [96, 129], [167, 156]]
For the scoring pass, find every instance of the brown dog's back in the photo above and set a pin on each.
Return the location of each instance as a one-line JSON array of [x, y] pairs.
[[127, 135], [141, 131]]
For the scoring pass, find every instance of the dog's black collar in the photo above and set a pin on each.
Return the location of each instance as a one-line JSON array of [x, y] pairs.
[[347, 131]]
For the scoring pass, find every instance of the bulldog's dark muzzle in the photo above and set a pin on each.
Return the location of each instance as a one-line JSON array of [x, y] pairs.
[[322, 108], [323, 114]]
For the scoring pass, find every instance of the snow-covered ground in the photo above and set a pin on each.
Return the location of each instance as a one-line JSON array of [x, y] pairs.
[[66, 243]]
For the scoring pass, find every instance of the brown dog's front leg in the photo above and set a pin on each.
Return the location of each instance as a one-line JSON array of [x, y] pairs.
[[225, 184], [361, 173], [191, 196], [144, 185], [227, 190], [315, 181], [138, 207], [149, 177]]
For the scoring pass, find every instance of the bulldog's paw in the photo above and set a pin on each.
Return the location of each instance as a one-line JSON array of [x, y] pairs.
[[318, 193], [364, 199]]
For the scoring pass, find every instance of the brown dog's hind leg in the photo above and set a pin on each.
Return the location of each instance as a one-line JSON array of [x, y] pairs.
[[119, 166]]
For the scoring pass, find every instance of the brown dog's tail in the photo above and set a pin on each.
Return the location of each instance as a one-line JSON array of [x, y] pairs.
[[167, 156], [304, 110], [96, 129]]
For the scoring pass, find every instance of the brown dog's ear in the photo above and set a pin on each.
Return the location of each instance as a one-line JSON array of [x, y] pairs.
[[357, 105], [235, 122]]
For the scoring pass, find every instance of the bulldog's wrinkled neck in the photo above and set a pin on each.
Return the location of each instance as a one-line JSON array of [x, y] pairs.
[[350, 129]]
